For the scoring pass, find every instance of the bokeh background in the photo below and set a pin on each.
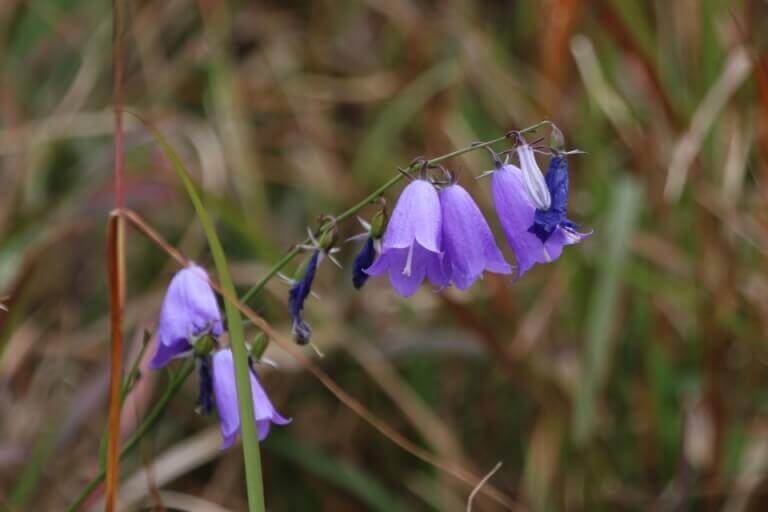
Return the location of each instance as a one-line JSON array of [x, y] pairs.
[[631, 374]]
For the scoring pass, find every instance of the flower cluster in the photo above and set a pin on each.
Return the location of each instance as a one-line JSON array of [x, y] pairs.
[[189, 325], [437, 231]]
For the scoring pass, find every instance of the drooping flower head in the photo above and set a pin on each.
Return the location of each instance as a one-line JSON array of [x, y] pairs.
[[225, 393], [189, 311], [296, 297], [536, 235], [545, 222], [301, 287], [468, 242], [411, 246]]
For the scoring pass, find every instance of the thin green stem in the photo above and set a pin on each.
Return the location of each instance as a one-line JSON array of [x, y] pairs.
[[149, 421]]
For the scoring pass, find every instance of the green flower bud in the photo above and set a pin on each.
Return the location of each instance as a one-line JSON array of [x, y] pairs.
[[259, 346], [204, 345], [379, 224]]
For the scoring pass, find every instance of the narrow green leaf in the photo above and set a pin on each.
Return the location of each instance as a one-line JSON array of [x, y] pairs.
[[601, 316]]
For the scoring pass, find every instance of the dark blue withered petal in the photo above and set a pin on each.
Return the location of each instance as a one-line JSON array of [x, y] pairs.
[[205, 399], [362, 261], [296, 297], [557, 183], [546, 221]]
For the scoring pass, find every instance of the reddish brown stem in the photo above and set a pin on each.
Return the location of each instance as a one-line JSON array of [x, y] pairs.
[[115, 262]]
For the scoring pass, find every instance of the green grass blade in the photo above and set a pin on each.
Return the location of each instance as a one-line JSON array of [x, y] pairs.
[[601, 315]]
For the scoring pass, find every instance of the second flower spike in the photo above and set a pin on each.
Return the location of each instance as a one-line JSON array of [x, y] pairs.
[[411, 246], [469, 245]]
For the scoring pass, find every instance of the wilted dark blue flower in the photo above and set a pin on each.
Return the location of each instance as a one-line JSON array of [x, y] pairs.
[[468, 242], [372, 246], [225, 392], [189, 311], [533, 239], [296, 297], [411, 246], [546, 221], [363, 260], [205, 398]]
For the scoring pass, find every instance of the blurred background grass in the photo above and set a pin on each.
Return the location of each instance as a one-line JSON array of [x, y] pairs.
[[628, 375]]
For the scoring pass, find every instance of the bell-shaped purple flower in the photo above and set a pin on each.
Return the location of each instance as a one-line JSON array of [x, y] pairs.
[[411, 245], [533, 238], [225, 393], [468, 242], [189, 310]]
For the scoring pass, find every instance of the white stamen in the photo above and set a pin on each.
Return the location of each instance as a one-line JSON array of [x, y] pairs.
[[408, 262]]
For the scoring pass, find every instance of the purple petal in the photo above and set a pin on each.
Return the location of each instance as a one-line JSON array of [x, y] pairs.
[[225, 391], [516, 213], [164, 353], [416, 217], [189, 309], [469, 245], [406, 280]]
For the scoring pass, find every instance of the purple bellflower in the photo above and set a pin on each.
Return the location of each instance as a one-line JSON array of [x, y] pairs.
[[225, 393], [411, 246], [189, 311], [536, 235], [468, 242]]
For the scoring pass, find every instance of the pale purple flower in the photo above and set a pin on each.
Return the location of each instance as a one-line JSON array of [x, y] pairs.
[[517, 212], [468, 242], [225, 393], [411, 246], [189, 310]]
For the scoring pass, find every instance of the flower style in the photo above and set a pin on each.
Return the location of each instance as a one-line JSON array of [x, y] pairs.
[[189, 311], [411, 245], [225, 393], [468, 242], [536, 235]]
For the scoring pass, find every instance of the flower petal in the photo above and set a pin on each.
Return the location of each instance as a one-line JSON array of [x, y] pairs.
[[416, 217], [189, 309], [468, 242], [516, 212], [533, 179], [225, 393]]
